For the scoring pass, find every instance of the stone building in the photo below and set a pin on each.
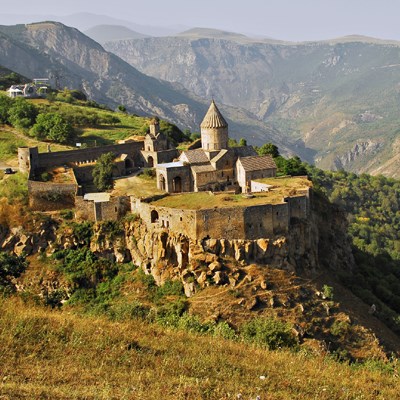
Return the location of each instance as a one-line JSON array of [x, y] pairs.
[[156, 146], [215, 166]]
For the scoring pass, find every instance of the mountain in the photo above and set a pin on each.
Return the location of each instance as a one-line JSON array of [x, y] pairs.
[[84, 21], [339, 96], [71, 59], [108, 33]]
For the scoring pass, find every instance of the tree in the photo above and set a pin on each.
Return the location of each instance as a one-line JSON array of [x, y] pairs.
[[22, 113], [54, 127], [102, 172], [11, 267], [121, 108], [268, 148], [242, 142], [5, 105]]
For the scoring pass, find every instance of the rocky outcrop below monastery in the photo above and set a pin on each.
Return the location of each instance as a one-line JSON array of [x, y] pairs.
[[309, 245]]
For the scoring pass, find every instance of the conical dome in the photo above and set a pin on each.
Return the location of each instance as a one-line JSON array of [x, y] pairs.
[[213, 118]]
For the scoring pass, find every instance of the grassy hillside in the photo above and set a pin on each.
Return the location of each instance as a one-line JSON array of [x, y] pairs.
[[93, 125], [58, 355]]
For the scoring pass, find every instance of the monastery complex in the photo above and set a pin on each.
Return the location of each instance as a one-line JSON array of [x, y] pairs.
[[209, 191]]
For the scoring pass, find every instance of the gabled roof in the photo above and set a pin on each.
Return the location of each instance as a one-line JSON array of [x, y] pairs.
[[197, 156], [257, 163], [213, 118]]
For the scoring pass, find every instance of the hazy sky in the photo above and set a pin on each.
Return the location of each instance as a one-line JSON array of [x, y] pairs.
[[281, 19]]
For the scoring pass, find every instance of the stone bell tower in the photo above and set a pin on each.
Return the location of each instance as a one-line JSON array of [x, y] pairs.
[[214, 130]]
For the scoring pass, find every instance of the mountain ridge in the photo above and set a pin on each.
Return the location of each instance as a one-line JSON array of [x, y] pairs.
[[72, 59], [332, 96]]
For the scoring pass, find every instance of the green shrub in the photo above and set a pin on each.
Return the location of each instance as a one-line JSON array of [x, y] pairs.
[[327, 292], [269, 332], [45, 176], [146, 279], [340, 328], [126, 311], [11, 267], [224, 330], [169, 288], [15, 188], [83, 232], [67, 214]]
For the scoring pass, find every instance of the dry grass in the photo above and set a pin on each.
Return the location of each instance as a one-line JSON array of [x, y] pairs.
[[58, 355], [292, 182], [205, 200], [140, 186]]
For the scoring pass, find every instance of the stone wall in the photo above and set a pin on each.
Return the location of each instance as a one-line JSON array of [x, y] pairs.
[[176, 220], [250, 223], [298, 206], [48, 196], [113, 210], [132, 149], [84, 209], [227, 223]]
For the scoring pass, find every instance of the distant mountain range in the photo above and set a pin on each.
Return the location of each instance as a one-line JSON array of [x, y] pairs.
[[341, 97], [73, 60], [85, 21], [109, 33], [332, 102]]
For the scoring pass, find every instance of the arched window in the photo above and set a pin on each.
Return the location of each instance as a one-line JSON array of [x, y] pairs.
[[154, 216]]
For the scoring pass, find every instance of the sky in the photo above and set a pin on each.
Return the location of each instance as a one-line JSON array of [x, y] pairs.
[[294, 20]]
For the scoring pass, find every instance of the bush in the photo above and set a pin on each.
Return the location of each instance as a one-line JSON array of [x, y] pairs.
[[83, 232], [22, 113], [45, 176], [126, 311], [11, 267], [327, 292], [269, 332], [67, 214], [52, 126], [224, 330]]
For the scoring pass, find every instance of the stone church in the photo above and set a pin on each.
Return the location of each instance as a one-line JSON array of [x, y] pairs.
[[215, 166]]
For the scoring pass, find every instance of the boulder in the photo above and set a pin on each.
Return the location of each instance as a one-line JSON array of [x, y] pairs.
[[215, 266], [220, 278]]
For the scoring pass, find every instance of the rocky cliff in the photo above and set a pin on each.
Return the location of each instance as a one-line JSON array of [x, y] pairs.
[[306, 249]]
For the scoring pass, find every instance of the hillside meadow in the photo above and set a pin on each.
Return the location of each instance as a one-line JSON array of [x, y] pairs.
[[60, 355]]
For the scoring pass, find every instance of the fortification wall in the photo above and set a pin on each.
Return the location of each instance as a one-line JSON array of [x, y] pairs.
[[280, 218], [46, 160], [227, 223], [298, 206], [246, 223], [48, 196], [114, 209], [258, 221], [177, 220]]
